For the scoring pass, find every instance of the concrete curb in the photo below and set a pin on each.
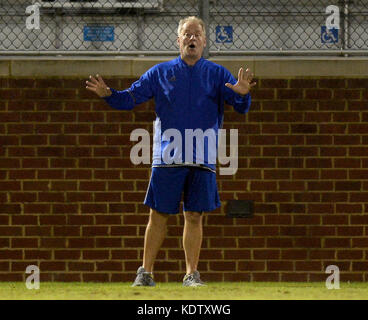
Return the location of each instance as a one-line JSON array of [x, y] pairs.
[[275, 67]]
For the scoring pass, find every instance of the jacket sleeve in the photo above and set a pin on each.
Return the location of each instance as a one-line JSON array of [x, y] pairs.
[[139, 92], [240, 103]]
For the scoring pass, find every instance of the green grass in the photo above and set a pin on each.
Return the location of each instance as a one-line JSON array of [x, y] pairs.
[[175, 291]]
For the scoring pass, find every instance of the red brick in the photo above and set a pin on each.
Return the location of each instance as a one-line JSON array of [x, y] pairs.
[[273, 83], [251, 242], [252, 265], [294, 254], [232, 254], [346, 116], [320, 208], [350, 254], [95, 231], [67, 254], [277, 174], [109, 266], [307, 197], [81, 243], [278, 197], [333, 174], [337, 242], [99, 255], [53, 243], [290, 140], [359, 266], [272, 219], [290, 94], [239, 231], [350, 231], [266, 254], [263, 94], [318, 117], [307, 242], [38, 231], [331, 83], [289, 163], [222, 242], [266, 277], [81, 266], [291, 185], [336, 219], [24, 243], [133, 242], [222, 266], [66, 231], [347, 94], [22, 265], [263, 185], [52, 266], [265, 230], [11, 254], [292, 208], [334, 197], [305, 174], [332, 128], [322, 231], [322, 254], [358, 196], [348, 208], [319, 94], [10, 231], [308, 266], [279, 266], [80, 220], [359, 219], [262, 140], [307, 152], [52, 220], [4, 266]]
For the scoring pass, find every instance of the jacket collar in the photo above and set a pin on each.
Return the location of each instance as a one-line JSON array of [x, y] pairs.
[[198, 63]]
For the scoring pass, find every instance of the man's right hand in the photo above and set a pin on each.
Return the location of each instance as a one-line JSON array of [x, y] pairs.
[[98, 86]]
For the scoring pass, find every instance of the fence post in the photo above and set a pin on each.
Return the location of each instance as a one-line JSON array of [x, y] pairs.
[[204, 14]]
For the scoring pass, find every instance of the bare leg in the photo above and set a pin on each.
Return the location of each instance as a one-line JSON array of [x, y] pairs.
[[154, 236], [192, 239]]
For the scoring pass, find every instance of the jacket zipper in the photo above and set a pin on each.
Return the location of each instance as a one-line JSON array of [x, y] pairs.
[[190, 87]]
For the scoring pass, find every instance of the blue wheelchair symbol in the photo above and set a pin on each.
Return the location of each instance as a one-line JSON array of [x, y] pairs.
[[224, 34], [329, 35]]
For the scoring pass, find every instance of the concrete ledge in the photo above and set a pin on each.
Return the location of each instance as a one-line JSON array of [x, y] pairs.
[[275, 67], [4, 68]]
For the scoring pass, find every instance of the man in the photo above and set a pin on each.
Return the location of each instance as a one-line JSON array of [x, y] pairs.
[[189, 93]]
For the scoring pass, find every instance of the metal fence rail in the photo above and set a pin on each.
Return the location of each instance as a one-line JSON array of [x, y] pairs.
[[149, 26]]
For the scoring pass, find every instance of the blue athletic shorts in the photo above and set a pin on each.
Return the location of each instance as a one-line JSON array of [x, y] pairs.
[[167, 184]]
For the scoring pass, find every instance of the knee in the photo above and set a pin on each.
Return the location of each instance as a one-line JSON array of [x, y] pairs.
[[158, 218], [193, 217]]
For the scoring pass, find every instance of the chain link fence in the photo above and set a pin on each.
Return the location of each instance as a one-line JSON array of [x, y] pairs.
[[150, 26]]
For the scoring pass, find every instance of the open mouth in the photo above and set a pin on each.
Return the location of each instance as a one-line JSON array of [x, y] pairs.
[[192, 46]]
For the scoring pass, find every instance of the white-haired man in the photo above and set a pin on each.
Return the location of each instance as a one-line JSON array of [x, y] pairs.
[[189, 93]]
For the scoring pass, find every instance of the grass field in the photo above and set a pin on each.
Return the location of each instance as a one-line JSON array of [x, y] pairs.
[[175, 291]]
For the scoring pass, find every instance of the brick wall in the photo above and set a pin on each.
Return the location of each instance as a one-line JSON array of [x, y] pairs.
[[71, 201]]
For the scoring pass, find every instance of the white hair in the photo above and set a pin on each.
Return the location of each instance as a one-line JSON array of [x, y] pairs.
[[188, 19]]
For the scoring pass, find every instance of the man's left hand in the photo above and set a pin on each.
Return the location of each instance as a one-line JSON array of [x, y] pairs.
[[244, 83]]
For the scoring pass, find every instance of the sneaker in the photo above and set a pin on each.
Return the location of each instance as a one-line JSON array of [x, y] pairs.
[[143, 279], [193, 280]]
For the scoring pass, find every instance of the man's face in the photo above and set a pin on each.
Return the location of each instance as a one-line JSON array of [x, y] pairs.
[[191, 40]]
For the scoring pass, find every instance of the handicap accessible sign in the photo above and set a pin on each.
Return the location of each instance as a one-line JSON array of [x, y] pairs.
[[224, 34]]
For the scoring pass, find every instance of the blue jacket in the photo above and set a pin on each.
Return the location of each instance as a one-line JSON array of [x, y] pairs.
[[186, 97]]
